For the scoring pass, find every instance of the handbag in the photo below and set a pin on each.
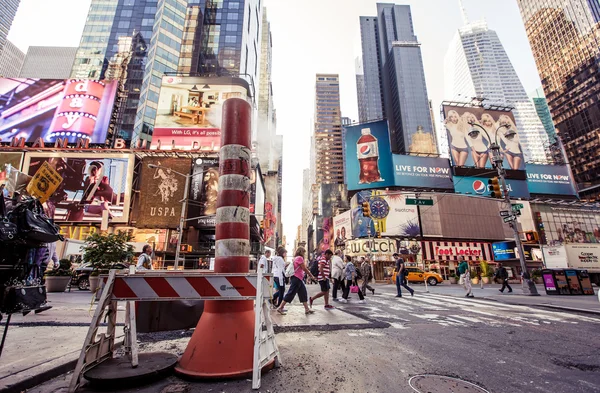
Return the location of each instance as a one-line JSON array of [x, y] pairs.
[[354, 289], [289, 270], [9, 231], [27, 298], [34, 227]]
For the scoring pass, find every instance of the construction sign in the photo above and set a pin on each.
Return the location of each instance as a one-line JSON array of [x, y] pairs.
[[45, 181]]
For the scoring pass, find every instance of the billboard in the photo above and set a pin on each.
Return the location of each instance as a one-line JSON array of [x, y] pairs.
[[92, 185], [368, 156], [424, 172], [342, 228], [550, 180], [479, 186], [8, 162], [161, 192], [564, 225], [204, 187], [189, 112], [474, 150], [53, 109], [390, 216], [504, 251]]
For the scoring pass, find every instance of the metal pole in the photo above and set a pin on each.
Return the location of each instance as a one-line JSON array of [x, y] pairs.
[[182, 219]]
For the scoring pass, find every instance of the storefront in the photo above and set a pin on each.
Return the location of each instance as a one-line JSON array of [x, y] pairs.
[[444, 257], [507, 254]]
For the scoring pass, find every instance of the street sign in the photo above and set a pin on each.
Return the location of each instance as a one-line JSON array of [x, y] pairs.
[[419, 202], [517, 207], [509, 218], [504, 213]]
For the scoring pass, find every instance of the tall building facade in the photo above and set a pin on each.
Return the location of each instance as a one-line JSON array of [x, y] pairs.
[[543, 111], [389, 41], [8, 11], [476, 65], [11, 60], [361, 92], [565, 39], [48, 62]]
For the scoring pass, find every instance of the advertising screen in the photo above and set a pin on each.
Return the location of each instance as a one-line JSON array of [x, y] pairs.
[[8, 162], [342, 228], [92, 184], [473, 149], [368, 156], [425, 172], [390, 215], [479, 186], [161, 192], [52, 109], [504, 251], [190, 112], [550, 180], [204, 186]]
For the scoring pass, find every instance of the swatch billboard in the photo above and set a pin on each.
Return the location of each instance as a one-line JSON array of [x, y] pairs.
[[479, 186], [390, 216], [473, 149], [550, 180], [54, 110], [189, 112]]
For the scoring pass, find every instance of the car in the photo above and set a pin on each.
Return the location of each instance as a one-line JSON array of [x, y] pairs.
[[418, 275], [81, 274]]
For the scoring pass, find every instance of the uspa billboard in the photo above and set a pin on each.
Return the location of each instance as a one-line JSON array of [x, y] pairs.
[[204, 187], [51, 110], [190, 112], [368, 156], [92, 185], [473, 149], [550, 180], [390, 216], [161, 192]]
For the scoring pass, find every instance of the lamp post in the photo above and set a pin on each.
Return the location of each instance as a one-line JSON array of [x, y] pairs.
[[183, 207], [528, 285]]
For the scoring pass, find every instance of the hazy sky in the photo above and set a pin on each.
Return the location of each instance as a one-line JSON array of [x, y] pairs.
[[309, 37]]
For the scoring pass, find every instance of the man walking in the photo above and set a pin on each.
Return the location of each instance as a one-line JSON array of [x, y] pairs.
[[323, 278], [264, 261], [465, 276], [401, 276], [502, 274], [367, 275], [337, 272]]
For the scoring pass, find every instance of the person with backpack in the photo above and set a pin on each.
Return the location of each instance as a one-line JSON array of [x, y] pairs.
[[367, 275], [350, 275], [297, 286], [337, 273], [465, 276], [323, 278], [502, 274]]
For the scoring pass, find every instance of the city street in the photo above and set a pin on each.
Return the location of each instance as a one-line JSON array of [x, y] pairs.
[[500, 347]]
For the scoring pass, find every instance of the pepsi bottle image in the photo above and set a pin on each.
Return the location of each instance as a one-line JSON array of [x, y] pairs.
[[367, 150]]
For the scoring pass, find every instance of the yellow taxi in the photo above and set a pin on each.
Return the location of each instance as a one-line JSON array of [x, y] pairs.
[[418, 275]]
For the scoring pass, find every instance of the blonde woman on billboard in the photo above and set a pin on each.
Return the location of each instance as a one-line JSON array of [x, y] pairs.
[[512, 145], [479, 144], [488, 122], [458, 144]]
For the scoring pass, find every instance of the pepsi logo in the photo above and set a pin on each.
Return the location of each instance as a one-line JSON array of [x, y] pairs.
[[365, 149], [479, 187]]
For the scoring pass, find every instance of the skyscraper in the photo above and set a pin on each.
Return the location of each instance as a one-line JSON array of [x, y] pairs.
[[48, 62], [393, 69], [543, 111], [361, 92], [11, 60], [7, 15], [476, 65], [564, 37]]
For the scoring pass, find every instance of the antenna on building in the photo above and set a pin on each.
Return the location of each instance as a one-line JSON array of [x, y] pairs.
[[464, 12]]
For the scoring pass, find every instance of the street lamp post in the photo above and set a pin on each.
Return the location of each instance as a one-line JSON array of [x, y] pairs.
[[528, 285]]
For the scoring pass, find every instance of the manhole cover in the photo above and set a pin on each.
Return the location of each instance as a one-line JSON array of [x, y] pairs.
[[442, 384]]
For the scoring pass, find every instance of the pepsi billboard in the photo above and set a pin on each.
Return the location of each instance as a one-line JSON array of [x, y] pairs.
[[425, 172], [368, 156], [550, 180], [479, 186]]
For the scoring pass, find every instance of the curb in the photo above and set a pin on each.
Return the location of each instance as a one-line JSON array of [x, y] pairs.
[[41, 378]]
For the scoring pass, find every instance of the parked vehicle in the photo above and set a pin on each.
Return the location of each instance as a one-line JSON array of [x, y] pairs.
[[418, 275], [81, 275]]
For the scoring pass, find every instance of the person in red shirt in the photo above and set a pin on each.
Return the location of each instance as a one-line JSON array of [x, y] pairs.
[[323, 278]]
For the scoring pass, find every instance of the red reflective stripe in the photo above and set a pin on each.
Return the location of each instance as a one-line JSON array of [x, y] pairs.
[[122, 290], [161, 287], [233, 230], [242, 285], [231, 264], [233, 198], [236, 123], [202, 286]]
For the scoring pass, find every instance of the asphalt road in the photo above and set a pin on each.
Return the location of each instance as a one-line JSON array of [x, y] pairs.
[[500, 347]]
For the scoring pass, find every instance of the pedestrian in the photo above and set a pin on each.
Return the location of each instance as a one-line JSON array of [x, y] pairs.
[[323, 278], [502, 274], [337, 273], [465, 276], [263, 262], [367, 275], [278, 276], [350, 277], [145, 259], [296, 284], [401, 273]]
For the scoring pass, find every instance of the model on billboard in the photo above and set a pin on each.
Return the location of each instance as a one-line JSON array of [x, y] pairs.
[[211, 187], [458, 143], [512, 145], [479, 144], [367, 149]]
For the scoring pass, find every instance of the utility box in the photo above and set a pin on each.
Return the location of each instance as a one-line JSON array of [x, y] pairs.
[[567, 282]]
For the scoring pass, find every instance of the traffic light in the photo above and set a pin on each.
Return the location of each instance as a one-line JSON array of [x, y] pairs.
[[531, 237], [494, 187], [366, 208]]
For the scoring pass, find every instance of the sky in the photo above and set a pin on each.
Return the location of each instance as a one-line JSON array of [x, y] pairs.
[[310, 37]]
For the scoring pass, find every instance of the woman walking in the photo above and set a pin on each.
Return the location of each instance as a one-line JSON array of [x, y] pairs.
[[350, 276], [337, 273], [297, 284], [278, 276]]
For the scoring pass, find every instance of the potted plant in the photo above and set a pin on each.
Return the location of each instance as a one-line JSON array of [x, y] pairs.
[[104, 250], [453, 278], [57, 280], [486, 272], [474, 277], [536, 276]]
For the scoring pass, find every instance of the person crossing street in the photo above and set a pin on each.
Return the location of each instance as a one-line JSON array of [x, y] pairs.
[[465, 276], [367, 275], [401, 273], [323, 279], [502, 274]]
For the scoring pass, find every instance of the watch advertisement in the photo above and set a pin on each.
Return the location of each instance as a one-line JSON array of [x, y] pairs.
[[390, 216]]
